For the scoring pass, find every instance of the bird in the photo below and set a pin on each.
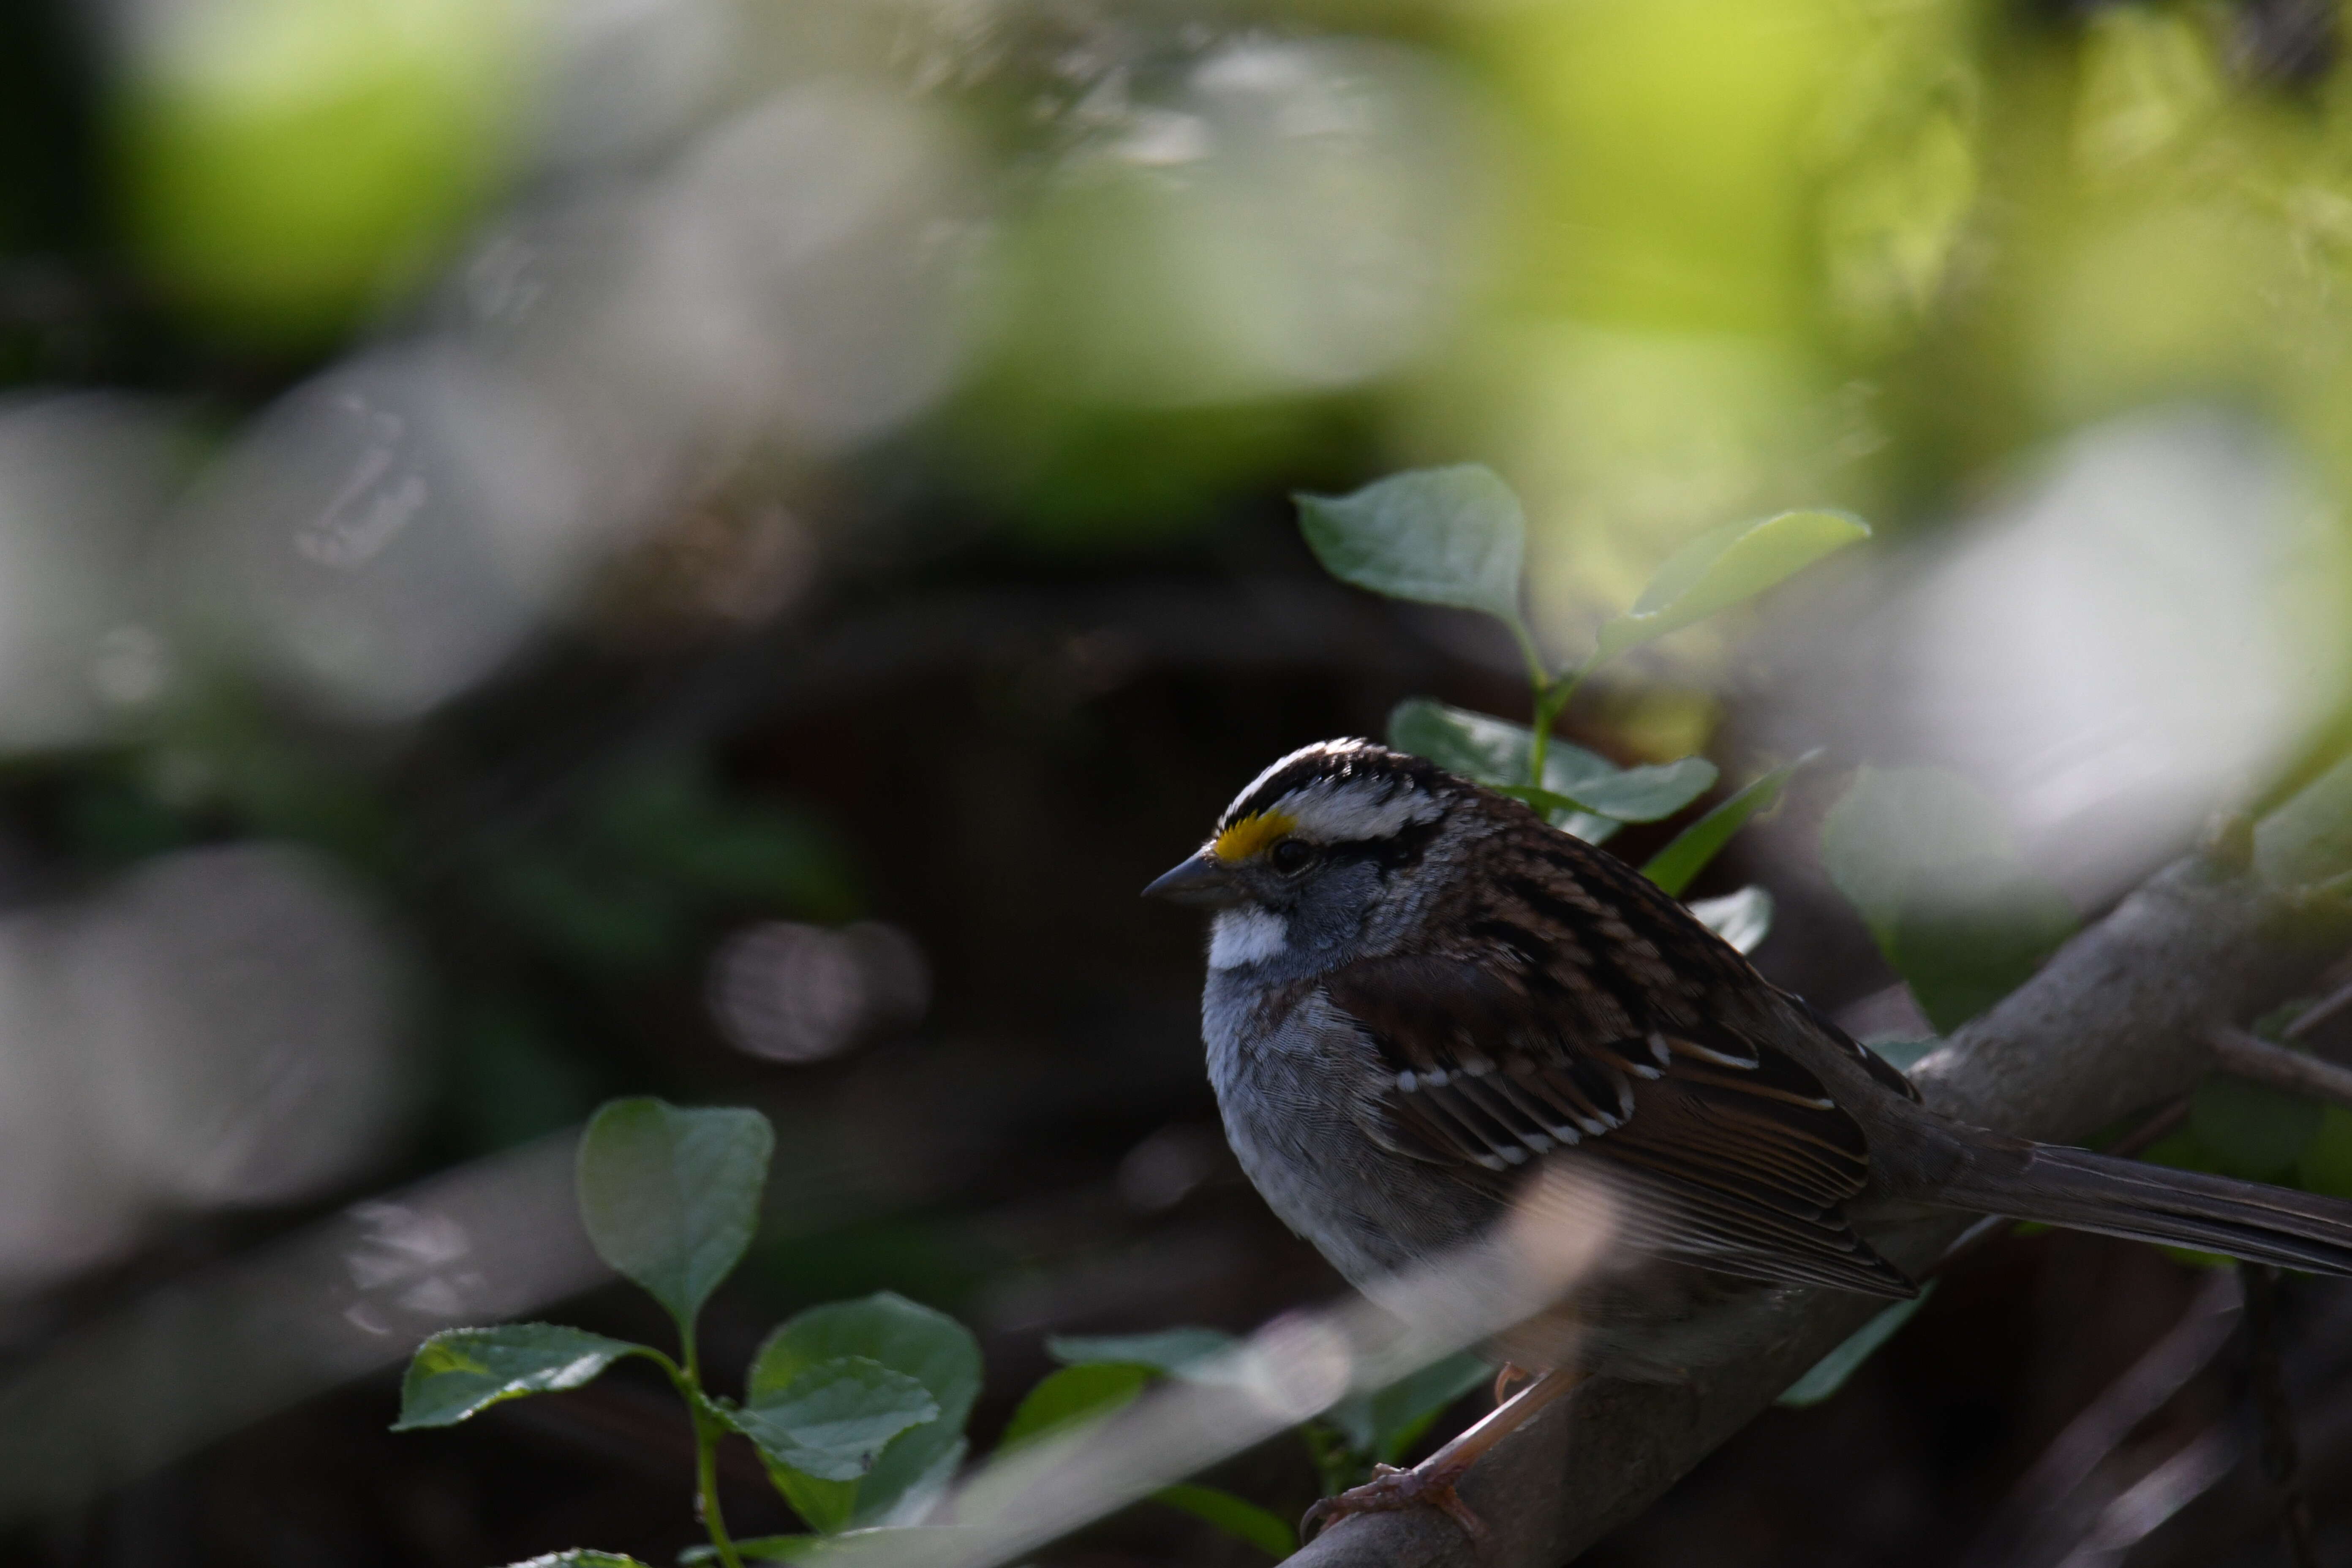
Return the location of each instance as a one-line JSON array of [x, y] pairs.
[[1440, 1028]]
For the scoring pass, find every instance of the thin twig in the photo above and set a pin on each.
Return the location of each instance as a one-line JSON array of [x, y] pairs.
[[2280, 1463], [2241, 1054], [2075, 1455], [2320, 1012]]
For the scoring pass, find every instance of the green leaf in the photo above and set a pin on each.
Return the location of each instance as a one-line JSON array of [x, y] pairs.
[[1645, 794], [1235, 1516], [578, 1557], [1174, 1352], [1494, 752], [1829, 1374], [1724, 565], [832, 1420], [924, 1344], [2309, 837], [1905, 1054], [460, 1373], [1071, 1397], [1439, 536], [2253, 1130], [1675, 865], [1384, 1424], [670, 1197], [2326, 1164], [1927, 859], [1743, 919]]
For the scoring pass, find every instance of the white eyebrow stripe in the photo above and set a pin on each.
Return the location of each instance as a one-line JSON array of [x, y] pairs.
[[1350, 811]]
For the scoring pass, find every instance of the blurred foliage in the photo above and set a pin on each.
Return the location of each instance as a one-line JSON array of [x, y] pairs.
[[802, 311]]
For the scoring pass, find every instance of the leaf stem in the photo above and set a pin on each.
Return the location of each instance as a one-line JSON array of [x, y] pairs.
[[708, 1429], [1552, 698]]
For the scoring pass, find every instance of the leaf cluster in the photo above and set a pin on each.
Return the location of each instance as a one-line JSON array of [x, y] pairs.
[[857, 1408], [1457, 537]]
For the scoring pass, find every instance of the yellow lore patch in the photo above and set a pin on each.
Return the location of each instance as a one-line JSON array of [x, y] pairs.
[[1250, 834]]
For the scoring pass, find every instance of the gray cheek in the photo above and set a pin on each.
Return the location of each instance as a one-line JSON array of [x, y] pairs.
[[1332, 907]]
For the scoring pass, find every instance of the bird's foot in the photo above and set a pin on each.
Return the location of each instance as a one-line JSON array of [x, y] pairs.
[[1392, 1490]]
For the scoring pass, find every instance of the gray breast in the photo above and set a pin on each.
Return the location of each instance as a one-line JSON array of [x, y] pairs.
[[1286, 1067]]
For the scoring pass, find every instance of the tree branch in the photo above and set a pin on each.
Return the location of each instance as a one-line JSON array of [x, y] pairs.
[[2246, 1056], [2122, 1017]]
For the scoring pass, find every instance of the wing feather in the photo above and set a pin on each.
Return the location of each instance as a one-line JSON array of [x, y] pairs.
[[1733, 1154]]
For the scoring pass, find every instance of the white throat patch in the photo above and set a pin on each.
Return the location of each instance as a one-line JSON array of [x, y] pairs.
[[1245, 936]]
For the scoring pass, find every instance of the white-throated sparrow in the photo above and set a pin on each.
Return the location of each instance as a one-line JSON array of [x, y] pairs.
[[1429, 1013]]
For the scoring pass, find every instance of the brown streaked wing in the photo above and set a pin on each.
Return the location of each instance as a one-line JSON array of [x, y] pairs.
[[1742, 1161]]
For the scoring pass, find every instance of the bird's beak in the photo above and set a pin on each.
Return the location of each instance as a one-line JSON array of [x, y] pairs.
[[1202, 880]]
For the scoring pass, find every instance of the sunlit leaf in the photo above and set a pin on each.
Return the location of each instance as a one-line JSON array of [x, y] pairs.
[[1235, 1516], [1674, 866], [1724, 565], [670, 1197], [1439, 536], [1494, 752], [1830, 1373], [1384, 1424], [1175, 1351], [2309, 837], [578, 1557], [833, 1419], [1073, 1396], [460, 1373], [1927, 859], [1645, 794], [1743, 919], [925, 1345]]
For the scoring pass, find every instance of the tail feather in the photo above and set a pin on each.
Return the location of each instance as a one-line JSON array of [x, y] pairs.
[[2077, 1190]]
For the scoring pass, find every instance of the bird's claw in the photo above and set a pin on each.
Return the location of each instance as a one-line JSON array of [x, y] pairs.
[[1392, 1490]]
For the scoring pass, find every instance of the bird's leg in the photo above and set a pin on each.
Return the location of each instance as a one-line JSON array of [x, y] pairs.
[[1430, 1484]]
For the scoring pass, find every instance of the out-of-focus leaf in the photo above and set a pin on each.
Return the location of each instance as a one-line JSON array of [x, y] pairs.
[[578, 1557], [1072, 1396], [1905, 1054], [1674, 867], [1645, 794], [2256, 1132], [833, 1419], [665, 819], [1925, 858], [907, 1337], [1830, 1373], [2309, 837], [1440, 536], [2326, 1164], [1386, 1421], [1743, 919], [459, 1373], [1724, 565], [1235, 1516], [670, 1197], [1174, 1352]]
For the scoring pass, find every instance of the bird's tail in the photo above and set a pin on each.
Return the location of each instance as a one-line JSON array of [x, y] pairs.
[[2077, 1190]]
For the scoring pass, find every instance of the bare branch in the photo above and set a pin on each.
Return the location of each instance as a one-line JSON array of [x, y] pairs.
[[2119, 1019], [2246, 1056]]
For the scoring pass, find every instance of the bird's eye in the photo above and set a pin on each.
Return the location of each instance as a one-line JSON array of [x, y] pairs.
[[1290, 854]]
